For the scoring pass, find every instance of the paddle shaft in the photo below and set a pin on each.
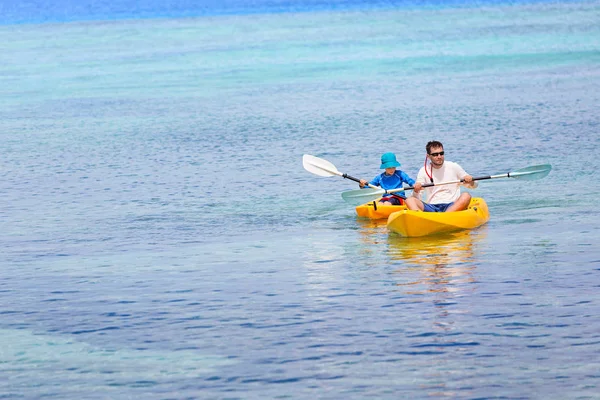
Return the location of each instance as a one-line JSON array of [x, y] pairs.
[[357, 180], [346, 176], [426, 185], [361, 196], [350, 177]]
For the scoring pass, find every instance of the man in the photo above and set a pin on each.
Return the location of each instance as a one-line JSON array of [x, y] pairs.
[[442, 198]]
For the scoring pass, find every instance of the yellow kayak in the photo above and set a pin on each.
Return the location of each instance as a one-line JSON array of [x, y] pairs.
[[418, 223], [375, 210]]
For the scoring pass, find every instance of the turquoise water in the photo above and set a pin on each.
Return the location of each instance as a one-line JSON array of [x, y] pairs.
[[162, 240]]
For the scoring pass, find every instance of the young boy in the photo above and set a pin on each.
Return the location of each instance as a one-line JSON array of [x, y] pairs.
[[390, 179]]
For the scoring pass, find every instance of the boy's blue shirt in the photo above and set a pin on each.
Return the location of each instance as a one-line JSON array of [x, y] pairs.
[[393, 181]]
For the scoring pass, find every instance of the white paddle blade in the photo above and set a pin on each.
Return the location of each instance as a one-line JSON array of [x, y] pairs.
[[318, 166], [362, 196], [532, 173]]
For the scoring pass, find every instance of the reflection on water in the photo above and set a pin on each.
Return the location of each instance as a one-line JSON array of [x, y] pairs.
[[436, 264], [438, 269], [439, 250], [372, 231], [440, 263], [436, 272], [367, 224]]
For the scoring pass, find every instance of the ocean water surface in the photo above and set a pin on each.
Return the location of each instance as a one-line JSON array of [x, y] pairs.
[[162, 240]]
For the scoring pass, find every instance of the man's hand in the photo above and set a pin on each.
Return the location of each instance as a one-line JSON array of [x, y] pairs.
[[469, 182], [417, 187]]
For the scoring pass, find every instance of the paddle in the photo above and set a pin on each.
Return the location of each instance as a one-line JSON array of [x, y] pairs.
[[361, 196], [321, 167]]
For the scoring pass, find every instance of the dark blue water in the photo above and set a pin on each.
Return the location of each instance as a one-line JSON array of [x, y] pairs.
[[40, 11]]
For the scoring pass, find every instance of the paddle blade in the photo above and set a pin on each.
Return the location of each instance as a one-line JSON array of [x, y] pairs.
[[532, 173], [318, 166], [361, 196]]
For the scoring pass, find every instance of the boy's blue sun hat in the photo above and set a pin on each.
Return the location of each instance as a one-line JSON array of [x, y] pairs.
[[388, 160]]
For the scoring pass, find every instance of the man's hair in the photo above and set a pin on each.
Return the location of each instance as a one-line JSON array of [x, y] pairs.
[[433, 143]]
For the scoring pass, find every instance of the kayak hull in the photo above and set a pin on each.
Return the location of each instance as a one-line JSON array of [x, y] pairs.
[[375, 210], [418, 223]]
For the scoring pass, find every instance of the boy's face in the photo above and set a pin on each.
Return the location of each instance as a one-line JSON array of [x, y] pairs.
[[390, 171]]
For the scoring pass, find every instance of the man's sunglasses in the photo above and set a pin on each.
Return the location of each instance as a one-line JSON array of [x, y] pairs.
[[441, 153]]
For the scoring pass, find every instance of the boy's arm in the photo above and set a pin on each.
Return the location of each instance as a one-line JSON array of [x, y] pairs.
[[376, 181], [407, 179]]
